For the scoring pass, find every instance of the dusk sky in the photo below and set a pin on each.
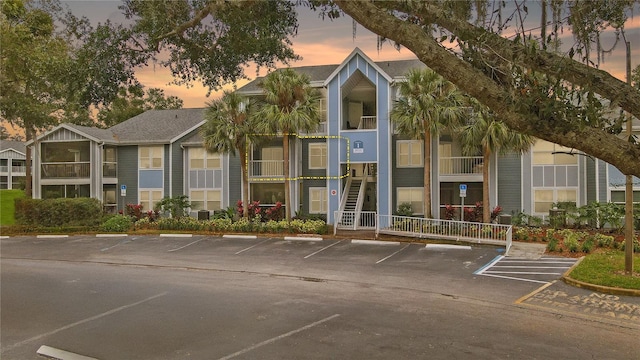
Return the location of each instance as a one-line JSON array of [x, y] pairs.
[[323, 42]]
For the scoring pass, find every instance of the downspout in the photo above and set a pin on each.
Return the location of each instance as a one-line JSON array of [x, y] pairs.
[[170, 170]]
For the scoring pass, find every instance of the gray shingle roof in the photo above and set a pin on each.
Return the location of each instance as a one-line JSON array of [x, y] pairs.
[[157, 126], [101, 134], [395, 69], [12, 144]]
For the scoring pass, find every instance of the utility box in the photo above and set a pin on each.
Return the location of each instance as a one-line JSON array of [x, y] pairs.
[[504, 219], [203, 214]]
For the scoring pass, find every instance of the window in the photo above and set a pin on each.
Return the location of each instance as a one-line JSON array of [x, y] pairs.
[[149, 199], [545, 152], [272, 163], [414, 196], [205, 200], [617, 196], [543, 199], [151, 157], [409, 153], [317, 200], [268, 193], [318, 156], [65, 191], [199, 158], [110, 164], [109, 198]]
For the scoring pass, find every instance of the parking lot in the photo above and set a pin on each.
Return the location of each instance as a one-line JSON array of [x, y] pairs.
[[177, 296]]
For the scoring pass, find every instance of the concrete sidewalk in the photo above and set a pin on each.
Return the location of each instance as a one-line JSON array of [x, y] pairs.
[[527, 250]]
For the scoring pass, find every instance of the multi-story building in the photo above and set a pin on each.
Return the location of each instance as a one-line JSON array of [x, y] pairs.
[[12, 164], [354, 161]]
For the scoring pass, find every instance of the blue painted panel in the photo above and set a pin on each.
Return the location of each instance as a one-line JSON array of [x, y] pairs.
[[368, 150], [333, 145], [150, 179]]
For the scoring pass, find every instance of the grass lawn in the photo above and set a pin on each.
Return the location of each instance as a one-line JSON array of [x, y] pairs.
[[607, 269], [7, 208]]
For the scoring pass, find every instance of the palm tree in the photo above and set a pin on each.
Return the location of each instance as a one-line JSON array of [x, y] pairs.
[[491, 136], [228, 128], [427, 105], [290, 106]]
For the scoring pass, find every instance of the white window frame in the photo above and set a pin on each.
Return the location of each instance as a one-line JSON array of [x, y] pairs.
[[322, 147], [410, 144], [150, 193], [554, 190], [206, 157], [206, 193], [323, 200], [411, 189], [151, 157]]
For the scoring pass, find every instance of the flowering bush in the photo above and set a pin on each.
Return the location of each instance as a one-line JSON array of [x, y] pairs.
[[275, 213], [253, 209]]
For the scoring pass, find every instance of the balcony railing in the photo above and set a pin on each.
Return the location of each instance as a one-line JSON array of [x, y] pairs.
[[66, 170], [461, 165], [368, 122], [266, 168], [18, 168]]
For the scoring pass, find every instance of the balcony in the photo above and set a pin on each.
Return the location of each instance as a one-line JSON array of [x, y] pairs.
[[363, 123], [18, 169], [266, 168], [66, 170], [461, 165]]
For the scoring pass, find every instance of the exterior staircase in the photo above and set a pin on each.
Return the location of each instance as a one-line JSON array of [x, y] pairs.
[[351, 203]]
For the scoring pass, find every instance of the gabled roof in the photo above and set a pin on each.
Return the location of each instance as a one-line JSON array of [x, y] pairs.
[[317, 74], [158, 126], [320, 75], [17, 146], [93, 132]]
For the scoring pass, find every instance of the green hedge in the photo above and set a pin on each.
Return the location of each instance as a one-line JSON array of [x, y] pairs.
[[58, 212]]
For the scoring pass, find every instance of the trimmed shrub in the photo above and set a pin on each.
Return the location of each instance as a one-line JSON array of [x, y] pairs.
[[118, 223], [58, 212]]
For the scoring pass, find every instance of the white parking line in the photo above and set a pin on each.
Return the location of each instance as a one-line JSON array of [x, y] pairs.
[[279, 337], [252, 246], [508, 268], [385, 258], [323, 249], [189, 244], [69, 326], [54, 353]]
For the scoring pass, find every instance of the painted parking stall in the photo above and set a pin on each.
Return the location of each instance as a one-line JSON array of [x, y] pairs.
[[542, 270]]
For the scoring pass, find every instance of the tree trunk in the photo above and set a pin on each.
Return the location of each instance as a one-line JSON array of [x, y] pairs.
[[427, 175], [245, 182], [287, 195], [486, 207]]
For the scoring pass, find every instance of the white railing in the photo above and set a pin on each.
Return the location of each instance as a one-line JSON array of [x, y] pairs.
[[368, 122], [354, 220], [460, 165], [481, 233], [66, 170], [262, 168]]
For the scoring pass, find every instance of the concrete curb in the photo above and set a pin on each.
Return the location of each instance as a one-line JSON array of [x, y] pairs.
[[4, 237], [230, 236], [302, 238], [54, 353], [177, 235], [374, 242], [51, 236], [599, 288], [447, 247], [111, 235]]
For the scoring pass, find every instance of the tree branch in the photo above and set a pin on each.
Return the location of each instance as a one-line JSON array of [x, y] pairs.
[[596, 142]]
